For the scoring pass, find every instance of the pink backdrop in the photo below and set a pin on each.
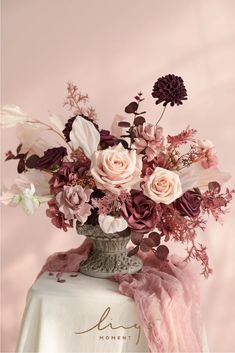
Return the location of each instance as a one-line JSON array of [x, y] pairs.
[[112, 49]]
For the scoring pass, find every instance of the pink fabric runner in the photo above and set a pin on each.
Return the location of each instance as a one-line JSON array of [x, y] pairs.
[[171, 287]]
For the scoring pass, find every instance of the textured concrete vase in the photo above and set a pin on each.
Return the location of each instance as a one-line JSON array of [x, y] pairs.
[[109, 253]]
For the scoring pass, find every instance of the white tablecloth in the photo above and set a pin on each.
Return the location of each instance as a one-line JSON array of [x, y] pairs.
[[57, 314], [56, 311]]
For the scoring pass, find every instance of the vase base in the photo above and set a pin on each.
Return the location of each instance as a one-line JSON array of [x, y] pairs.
[[101, 265]]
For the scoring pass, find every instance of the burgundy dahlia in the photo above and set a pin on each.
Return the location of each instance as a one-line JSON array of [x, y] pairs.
[[140, 212], [189, 203], [51, 158], [169, 89]]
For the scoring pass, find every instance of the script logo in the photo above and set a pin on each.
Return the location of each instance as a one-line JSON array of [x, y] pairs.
[[104, 323]]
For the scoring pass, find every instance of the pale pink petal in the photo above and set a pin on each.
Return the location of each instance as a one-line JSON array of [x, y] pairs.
[[196, 176]]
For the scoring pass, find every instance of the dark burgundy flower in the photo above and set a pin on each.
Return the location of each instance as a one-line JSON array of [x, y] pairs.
[[140, 212], [93, 218], [69, 125], [149, 166], [68, 128], [51, 158], [68, 174], [169, 89], [106, 139], [189, 203]]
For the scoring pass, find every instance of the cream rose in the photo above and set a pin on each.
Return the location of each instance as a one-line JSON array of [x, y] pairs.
[[116, 168], [163, 186]]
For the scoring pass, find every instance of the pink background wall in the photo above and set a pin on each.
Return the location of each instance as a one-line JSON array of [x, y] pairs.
[[112, 49]]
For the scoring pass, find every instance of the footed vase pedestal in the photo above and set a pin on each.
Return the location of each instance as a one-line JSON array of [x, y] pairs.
[[109, 253]]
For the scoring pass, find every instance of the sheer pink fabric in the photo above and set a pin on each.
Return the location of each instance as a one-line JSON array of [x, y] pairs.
[[170, 288]]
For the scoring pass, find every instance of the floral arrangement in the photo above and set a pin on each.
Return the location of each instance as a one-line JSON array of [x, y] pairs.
[[160, 187]]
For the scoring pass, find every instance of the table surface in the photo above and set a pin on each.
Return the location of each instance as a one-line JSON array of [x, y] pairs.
[[82, 314]]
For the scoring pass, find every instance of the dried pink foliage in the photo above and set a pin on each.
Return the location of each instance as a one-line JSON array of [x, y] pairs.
[[76, 101], [199, 254], [178, 161], [182, 138], [214, 202], [183, 229], [179, 228], [108, 204]]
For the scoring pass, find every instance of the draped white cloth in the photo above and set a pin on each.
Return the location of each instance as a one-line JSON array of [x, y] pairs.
[[82, 314], [55, 313]]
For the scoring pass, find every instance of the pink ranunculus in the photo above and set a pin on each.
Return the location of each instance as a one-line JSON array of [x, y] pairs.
[[73, 202], [150, 138], [140, 212], [116, 168], [163, 186]]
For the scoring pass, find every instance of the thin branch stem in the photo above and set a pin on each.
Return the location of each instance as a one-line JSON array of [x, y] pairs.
[[161, 115]]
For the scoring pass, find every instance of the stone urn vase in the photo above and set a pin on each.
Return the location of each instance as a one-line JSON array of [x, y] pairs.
[[109, 253]]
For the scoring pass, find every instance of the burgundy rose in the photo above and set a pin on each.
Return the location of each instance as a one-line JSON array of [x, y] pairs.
[[51, 157], [106, 139], [189, 203], [140, 212]]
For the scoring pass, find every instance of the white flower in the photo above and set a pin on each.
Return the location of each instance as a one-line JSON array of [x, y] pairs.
[[116, 168], [27, 199], [195, 176], [163, 186], [12, 115], [110, 224], [84, 135]]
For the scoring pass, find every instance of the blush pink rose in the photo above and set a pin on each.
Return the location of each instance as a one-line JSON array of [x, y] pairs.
[[116, 168], [163, 186], [73, 202]]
